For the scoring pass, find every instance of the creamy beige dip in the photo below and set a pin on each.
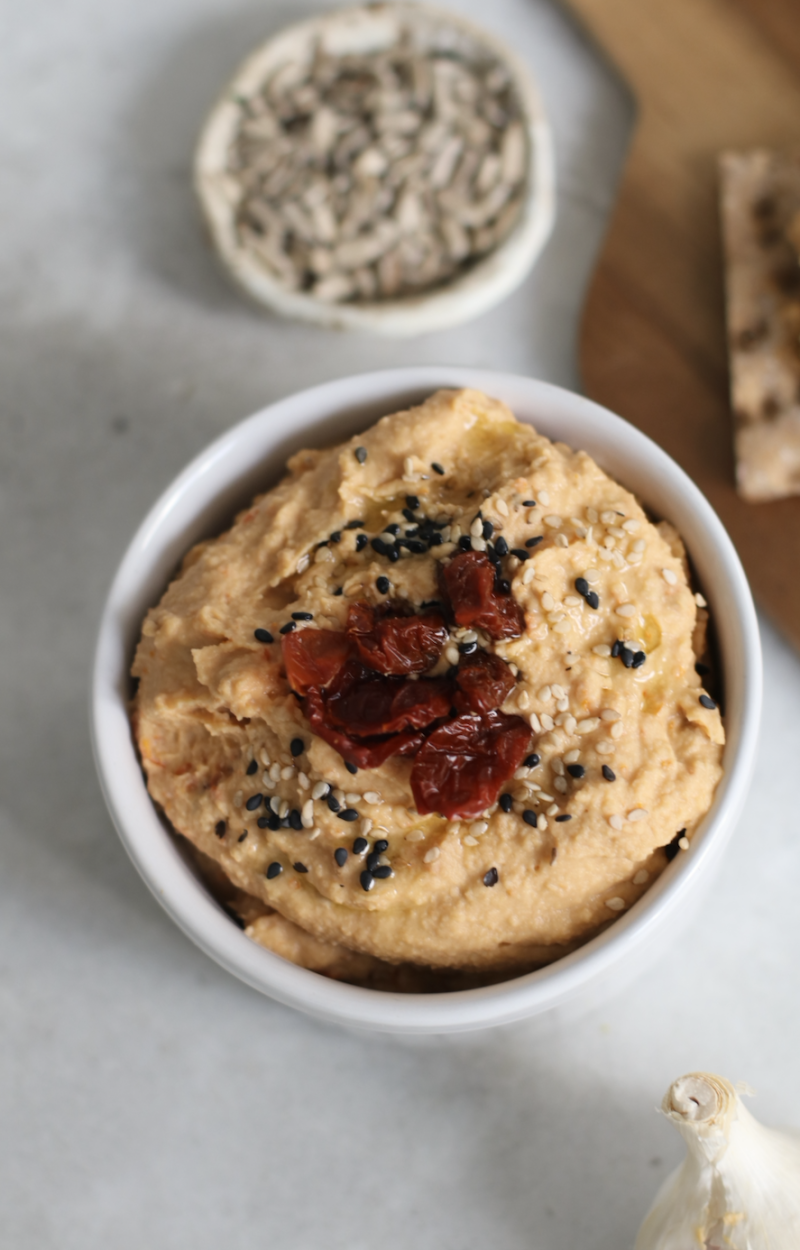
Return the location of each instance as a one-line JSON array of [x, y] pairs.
[[630, 755]]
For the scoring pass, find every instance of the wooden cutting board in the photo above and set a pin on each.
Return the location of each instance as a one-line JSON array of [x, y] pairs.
[[707, 75]]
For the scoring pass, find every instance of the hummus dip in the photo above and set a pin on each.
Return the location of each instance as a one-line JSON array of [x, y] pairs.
[[569, 748]]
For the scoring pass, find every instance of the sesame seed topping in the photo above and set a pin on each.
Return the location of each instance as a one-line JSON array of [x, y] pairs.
[[616, 822], [638, 813], [381, 845], [320, 790], [360, 454], [530, 817], [576, 770], [383, 871], [532, 760], [359, 846], [275, 869], [303, 616], [254, 802], [263, 635], [297, 747], [700, 601], [288, 627], [501, 546], [479, 544], [602, 649], [564, 816], [529, 503], [609, 773], [252, 767], [351, 768], [520, 553], [296, 820], [220, 828], [383, 585], [333, 803], [626, 609], [431, 855], [340, 855], [437, 468], [641, 877], [502, 507], [491, 877], [707, 701], [348, 814], [506, 802], [544, 497], [616, 903], [367, 880], [670, 577]]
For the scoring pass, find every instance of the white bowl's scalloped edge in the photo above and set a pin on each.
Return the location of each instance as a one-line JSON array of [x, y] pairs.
[[219, 472], [484, 285]]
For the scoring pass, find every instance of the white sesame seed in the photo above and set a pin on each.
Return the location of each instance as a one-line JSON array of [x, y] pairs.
[[521, 773], [626, 609], [641, 876], [570, 724], [513, 564], [572, 757], [531, 517], [588, 725], [560, 784], [617, 729], [553, 809], [267, 781], [303, 563], [618, 559], [325, 556], [451, 654], [372, 797], [523, 700], [541, 822], [416, 835], [608, 518], [546, 798], [683, 843], [555, 617], [478, 827], [313, 834], [557, 766], [547, 722], [561, 540], [572, 601], [470, 841], [631, 526], [558, 691], [366, 826], [529, 574], [546, 694], [476, 528], [670, 577], [455, 533], [700, 601], [601, 649], [563, 704], [431, 855], [469, 635], [307, 814], [265, 760], [275, 772], [609, 714], [616, 904], [275, 803], [591, 515], [638, 813], [609, 543], [320, 790], [616, 822], [605, 554], [553, 521], [639, 546], [238, 798], [501, 506], [351, 797], [616, 531], [605, 748], [548, 602], [408, 466], [303, 781], [287, 773], [634, 557], [562, 627], [544, 497], [535, 723], [339, 796], [532, 786], [514, 670], [283, 810]]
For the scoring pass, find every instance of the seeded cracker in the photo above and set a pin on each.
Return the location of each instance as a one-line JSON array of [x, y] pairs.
[[761, 225]]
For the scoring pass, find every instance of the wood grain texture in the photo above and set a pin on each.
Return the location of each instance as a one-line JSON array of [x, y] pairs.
[[707, 75]]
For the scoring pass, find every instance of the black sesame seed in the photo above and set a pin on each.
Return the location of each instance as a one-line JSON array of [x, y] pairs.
[[501, 546], [581, 585], [560, 819], [467, 648], [335, 537], [283, 823], [437, 468], [530, 817], [492, 554], [377, 544], [354, 525], [333, 803], [381, 845], [298, 867], [627, 657], [360, 454], [348, 814], [367, 880], [393, 555], [417, 546], [413, 502], [242, 836], [302, 616], [533, 760], [339, 590], [382, 872], [263, 822], [408, 514], [593, 599], [263, 635], [491, 877], [701, 669], [707, 701], [383, 585], [431, 603], [506, 802], [673, 848], [504, 586], [534, 542], [638, 659], [488, 529], [520, 553], [394, 528], [252, 767], [351, 768], [297, 747], [373, 860], [275, 869], [288, 627], [615, 650], [435, 539], [609, 773], [576, 770], [220, 828], [529, 503], [465, 542], [295, 820], [254, 802], [361, 542], [273, 822], [359, 846], [340, 855]]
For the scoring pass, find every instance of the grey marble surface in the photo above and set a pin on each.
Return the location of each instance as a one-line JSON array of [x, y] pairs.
[[148, 1099]]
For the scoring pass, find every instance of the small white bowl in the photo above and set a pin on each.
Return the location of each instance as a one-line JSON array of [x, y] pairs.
[[202, 501], [487, 282]]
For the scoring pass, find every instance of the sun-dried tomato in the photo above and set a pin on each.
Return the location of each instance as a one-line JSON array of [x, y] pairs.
[[483, 681], [469, 584], [365, 703], [460, 768], [364, 752], [392, 641], [313, 657]]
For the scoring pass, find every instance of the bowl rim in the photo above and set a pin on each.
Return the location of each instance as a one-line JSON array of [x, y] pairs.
[[221, 477], [487, 282]]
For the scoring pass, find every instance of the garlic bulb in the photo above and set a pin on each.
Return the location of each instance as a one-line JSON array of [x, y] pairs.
[[738, 1187]]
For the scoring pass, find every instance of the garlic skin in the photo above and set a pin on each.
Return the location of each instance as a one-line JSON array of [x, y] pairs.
[[739, 1185]]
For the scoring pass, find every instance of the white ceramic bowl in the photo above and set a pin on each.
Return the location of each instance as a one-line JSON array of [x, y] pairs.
[[362, 29], [202, 501]]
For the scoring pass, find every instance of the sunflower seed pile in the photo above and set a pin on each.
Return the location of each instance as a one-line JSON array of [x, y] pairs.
[[371, 177]]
